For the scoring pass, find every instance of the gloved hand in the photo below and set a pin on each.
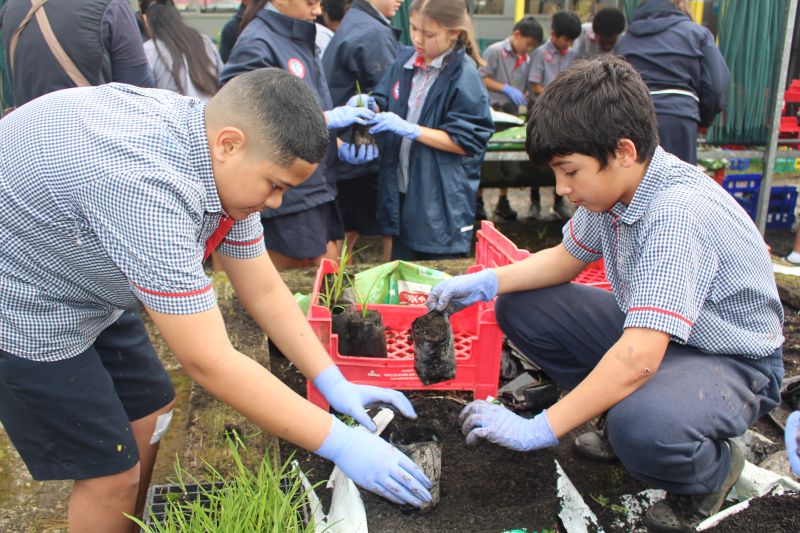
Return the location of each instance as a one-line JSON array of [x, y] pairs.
[[459, 292], [345, 115], [790, 438], [366, 101], [514, 94], [358, 155], [483, 420], [375, 465], [351, 399], [391, 122]]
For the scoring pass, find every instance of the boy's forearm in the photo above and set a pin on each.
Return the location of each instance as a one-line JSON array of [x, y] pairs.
[[270, 303], [628, 364], [537, 89], [545, 268], [440, 140], [492, 84], [201, 344]]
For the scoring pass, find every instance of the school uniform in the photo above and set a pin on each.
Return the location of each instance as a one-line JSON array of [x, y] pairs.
[[503, 66], [426, 197], [308, 216], [363, 47], [685, 259], [683, 68], [586, 45], [113, 204], [547, 62]]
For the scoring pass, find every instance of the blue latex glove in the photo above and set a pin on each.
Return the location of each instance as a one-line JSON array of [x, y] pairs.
[[456, 293], [790, 438], [358, 155], [352, 400], [514, 94], [375, 465], [483, 420], [391, 122], [345, 115], [366, 101]]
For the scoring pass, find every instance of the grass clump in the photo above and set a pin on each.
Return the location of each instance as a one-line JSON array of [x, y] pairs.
[[271, 499]]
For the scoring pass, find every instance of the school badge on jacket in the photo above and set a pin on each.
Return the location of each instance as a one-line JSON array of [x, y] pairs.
[[296, 67]]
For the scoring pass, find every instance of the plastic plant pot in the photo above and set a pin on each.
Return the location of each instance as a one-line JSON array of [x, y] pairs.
[[434, 350], [367, 334]]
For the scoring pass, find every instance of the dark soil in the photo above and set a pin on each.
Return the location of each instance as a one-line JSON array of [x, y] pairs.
[[366, 334], [491, 489], [359, 135], [434, 348], [768, 513]]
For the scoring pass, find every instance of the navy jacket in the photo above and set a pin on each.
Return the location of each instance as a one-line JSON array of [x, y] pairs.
[[274, 40], [439, 208], [362, 48], [672, 52]]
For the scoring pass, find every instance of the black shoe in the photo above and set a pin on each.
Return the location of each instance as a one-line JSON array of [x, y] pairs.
[[594, 445], [535, 211], [682, 513], [480, 212], [503, 209]]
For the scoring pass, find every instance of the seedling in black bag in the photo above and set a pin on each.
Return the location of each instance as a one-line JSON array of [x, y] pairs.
[[434, 349]]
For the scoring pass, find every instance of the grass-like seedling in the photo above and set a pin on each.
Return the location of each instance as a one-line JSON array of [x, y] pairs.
[[363, 299], [268, 500], [336, 282]]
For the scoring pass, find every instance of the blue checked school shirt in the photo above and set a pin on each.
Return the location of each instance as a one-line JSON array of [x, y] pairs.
[[684, 258], [106, 197]]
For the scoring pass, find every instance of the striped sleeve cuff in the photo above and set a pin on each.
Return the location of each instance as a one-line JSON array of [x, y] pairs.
[[179, 302], [675, 324]]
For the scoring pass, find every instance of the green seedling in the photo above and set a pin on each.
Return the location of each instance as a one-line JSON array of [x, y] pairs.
[[269, 499], [364, 299], [605, 502], [337, 281]]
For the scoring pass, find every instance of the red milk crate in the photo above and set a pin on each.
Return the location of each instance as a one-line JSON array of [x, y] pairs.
[[493, 249], [478, 339]]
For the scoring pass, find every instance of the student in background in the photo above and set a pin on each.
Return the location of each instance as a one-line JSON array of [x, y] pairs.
[[548, 61], [230, 31], [505, 75], [685, 71], [181, 59], [280, 33], [600, 35], [434, 128], [328, 22], [364, 46]]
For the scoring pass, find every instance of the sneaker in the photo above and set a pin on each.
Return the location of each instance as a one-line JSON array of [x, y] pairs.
[[681, 512], [594, 445], [535, 211], [480, 211], [562, 210], [503, 209]]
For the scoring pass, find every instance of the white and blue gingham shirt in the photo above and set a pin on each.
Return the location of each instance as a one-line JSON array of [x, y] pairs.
[[684, 258], [106, 196]]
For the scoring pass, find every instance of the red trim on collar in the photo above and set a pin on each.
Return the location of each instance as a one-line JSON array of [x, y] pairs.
[[419, 62]]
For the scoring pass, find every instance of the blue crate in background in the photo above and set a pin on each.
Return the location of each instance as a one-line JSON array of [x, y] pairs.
[[739, 164], [782, 200]]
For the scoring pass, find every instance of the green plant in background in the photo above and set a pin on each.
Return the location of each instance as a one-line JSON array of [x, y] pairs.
[[363, 299], [269, 500], [605, 502], [336, 282]]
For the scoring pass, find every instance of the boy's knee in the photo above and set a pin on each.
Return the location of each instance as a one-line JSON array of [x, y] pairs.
[[121, 486], [510, 308]]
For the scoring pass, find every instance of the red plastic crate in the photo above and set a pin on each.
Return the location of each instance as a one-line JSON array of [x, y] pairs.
[[494, 249], [478, 342]]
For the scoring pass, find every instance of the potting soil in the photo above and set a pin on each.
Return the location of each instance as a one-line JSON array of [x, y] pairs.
[[434, 349], [767, 514]]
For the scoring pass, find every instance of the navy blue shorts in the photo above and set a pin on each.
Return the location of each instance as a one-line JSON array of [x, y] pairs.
[[70, 419], [304, 235], [357, 199]]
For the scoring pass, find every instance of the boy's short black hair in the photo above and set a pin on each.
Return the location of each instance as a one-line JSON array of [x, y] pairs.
[[566, 23], [609, 21], [335, 8], [530, 27], [588, 109]]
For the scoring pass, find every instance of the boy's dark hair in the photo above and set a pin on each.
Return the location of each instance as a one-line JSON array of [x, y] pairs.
[[609, 21], [335, 9], [277, 112], [566, 23], [588, 109], [530, 27]]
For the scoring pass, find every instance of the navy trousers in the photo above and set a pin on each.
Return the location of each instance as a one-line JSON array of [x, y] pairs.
[[678, 136], [670, 432]]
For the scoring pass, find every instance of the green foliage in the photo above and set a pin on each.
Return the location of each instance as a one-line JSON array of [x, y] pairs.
[[336, 282], [605, 502], [268, 500], [363, 299]]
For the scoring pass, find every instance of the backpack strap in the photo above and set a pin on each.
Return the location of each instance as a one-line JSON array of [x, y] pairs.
[[52, 43]]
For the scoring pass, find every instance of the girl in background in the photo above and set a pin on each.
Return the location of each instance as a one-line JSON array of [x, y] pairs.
[[435, 126], [181, 59]]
